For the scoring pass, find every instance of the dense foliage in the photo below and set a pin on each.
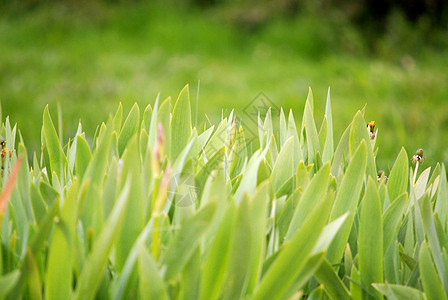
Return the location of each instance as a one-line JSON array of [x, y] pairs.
[[154, 208]]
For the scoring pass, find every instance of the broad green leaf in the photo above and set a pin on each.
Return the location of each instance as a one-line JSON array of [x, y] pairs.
[[398, 179], [184, 242], [204, 137], [431, 281], [293, 256], [151, 285], [292, 131], [317, 294], [249, 182], [316, 190], [95, 174], [118, 118], [180, 123], [309, 270], [134, 217], [355, 284], [190, 277], [329, 144], [341, 154], [152, 135], [420, 185], [58, 282], [57, 158], [392, 217], [257, 218], [329, 231], [441, 207], [146, 120], [346, 201], [208, 168], [130, 127], [323, 132], [83, 156], [34, 284], [370, 240], [214, 269], [240, 253], [38, 204], [433, 241], [35, 245], [333, 285], [90, 277], [282, 170], [23, 184], [7, 282], [312, 138], [397, 292], [283, 128]]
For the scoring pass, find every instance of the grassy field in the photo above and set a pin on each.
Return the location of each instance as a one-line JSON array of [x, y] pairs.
[[90, 59]]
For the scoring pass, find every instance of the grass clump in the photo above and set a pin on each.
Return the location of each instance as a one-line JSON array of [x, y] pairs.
[[155, 208]]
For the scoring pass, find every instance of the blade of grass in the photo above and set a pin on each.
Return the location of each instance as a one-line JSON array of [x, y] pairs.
[[91, 275], [181, 123], [370, 241]]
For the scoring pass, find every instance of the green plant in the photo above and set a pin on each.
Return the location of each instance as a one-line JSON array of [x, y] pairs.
[[154, 209]]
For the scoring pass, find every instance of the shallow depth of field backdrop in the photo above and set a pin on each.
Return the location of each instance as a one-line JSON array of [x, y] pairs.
[[88, 56]]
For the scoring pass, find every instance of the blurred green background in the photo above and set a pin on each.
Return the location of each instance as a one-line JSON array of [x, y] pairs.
[[89, 56]]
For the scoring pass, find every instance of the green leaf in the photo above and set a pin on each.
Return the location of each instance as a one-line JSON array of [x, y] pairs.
[[214, 269], [441, 207], [151, 284], [130, 127], [346, 201], [332, 283], [312, 195], [208, 168], [118, 117], [184, 242], [90, 277], [370, 240], [392, 218], [398, 179], [282, 170], [283, 128], [39, 238], [83, 156], [57, 158], [249, 182], [431, 281], [292, 131], [341, 155], [397, 292], [293, 256], [309, 270], [312, 138], [329, 144], [154, 125], [7, 282], [420, 185], [431, 233], [257, 217], [34, 284], [240, 253], [135, 212], [58, 283], [181, 123]]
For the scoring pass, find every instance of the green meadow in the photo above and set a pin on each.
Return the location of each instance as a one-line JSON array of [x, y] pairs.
[[88, 59]]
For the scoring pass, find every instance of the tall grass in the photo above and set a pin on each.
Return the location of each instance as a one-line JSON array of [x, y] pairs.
[[155, 208]]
